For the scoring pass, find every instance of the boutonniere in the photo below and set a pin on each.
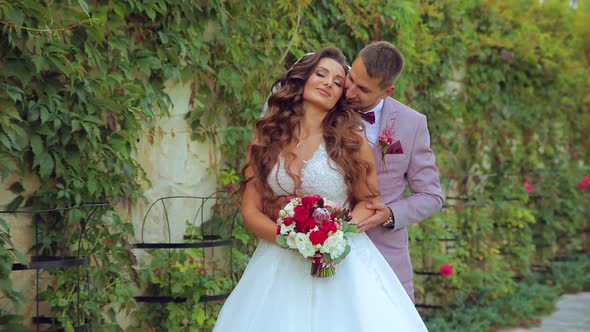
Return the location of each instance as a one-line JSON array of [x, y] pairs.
[[387, 144]]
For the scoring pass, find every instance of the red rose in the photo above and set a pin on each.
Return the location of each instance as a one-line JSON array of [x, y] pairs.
[[304, 226], [317, 237], [584, 184], [287, 221], [278, 230], [330, 227], [310, 201], [446, 270], [301, 214], [528, 187], [301, 227]]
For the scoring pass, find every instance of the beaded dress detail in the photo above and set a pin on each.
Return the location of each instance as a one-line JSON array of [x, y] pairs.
[[319, 176]]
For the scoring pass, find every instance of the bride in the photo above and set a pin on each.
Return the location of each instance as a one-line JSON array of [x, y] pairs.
[[309, 143]]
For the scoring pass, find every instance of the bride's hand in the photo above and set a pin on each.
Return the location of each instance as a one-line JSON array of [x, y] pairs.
[[380, 215]]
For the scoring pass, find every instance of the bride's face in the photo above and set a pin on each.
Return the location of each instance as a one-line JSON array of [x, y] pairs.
[[325, 85]]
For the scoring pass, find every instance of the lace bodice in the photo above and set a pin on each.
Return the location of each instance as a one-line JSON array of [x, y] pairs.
[[320, 176]]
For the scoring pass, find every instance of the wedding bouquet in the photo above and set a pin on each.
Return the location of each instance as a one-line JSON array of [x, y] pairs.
[[318, 230]]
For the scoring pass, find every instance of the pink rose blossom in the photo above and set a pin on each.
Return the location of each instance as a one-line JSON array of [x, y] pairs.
[[584, 184], [446, 270], [528, 187]]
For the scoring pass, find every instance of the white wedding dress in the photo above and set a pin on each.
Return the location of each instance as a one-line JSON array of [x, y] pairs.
[[278, 294]]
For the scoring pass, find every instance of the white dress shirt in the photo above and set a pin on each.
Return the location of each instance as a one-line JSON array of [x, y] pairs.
[[372, 130]]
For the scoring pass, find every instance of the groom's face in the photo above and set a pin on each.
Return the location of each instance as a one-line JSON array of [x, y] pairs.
[[362, 91]]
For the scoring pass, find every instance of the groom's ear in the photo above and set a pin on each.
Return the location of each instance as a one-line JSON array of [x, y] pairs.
[[388, 91]]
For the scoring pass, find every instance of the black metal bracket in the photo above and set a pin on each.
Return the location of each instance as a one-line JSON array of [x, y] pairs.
[[192, 241], [51, 262], [39, 320], [42, 262]]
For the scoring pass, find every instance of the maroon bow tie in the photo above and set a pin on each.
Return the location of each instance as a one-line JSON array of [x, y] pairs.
[[368, 116]]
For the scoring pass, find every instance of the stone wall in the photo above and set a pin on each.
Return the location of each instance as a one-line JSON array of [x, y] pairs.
[[175, 166]]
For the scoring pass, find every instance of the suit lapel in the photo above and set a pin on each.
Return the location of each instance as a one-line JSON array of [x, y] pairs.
[[388, 118]]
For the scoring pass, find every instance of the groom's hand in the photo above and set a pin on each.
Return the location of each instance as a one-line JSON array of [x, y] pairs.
[[380, 215], [273, 207]]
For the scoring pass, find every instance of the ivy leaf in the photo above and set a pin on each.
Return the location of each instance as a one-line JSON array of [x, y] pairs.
[[36, 144], [59, 167], [44, 114], [45, 130], [5, 141], [20, 70], [20, 257], [18, 137], [75, 125], [15, 93], [91, 185], [40, 62], [151, 13], [84, 6], [92, 119], [16, 16], [46, 164], [201, 317], [7, 164]]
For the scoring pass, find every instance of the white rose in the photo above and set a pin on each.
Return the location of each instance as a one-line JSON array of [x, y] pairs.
[[286, 229], [305, 247], [289, 209], [282, 214], [334, 245], [291, 240]]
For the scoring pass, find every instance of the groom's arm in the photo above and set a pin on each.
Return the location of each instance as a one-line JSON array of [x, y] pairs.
[[423, 180]]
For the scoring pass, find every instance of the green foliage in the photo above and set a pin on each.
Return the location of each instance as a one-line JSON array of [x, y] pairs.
[[8, 256], [521, 306], [189, 274], [571, 275]]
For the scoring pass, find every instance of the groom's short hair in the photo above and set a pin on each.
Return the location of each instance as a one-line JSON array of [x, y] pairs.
[[382, 60]]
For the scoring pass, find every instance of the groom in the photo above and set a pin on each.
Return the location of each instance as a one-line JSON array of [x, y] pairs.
[[401, 144]]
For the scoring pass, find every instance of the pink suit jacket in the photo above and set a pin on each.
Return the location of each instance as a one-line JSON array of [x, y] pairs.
[[416, 168]]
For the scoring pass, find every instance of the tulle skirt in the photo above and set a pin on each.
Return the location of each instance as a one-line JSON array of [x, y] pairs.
[[278, 293]]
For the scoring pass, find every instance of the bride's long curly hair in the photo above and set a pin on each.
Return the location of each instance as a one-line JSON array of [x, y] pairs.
[[342, 128]]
